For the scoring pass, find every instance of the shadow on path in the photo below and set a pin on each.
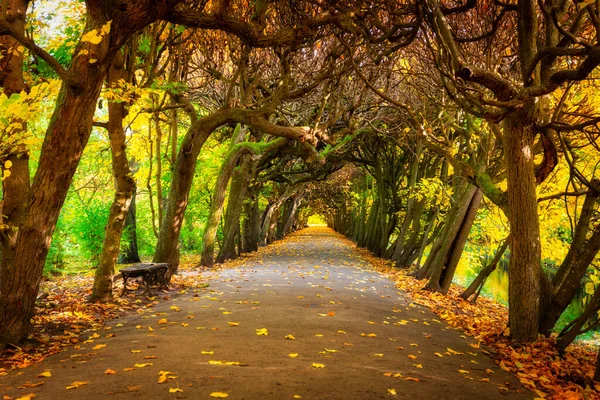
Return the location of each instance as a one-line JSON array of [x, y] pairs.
[[305, 319]]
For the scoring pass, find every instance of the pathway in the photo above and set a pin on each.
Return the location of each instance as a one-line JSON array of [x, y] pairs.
[[307, 319]]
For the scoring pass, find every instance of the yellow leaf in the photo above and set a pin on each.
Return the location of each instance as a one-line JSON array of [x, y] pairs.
[[207, 352], [175, 308], [164, 376], [262, 332], [45, 374], [331, 351], [26, 397], [418, 365], [297, 396], [462, 371], [175, 390], [77, 384], [142, 365], [290, 337], [392, 392], [162, 321], [136, 351], [378, 355], [220, 395], [412, 356], [340, 331], [150, 329], [227, 312], [438, 354], [317, 365], [233, 323], [293, 355], [318, 335], [106, 28], [110, 372], [98, 347], [93, 60], [8, 164]]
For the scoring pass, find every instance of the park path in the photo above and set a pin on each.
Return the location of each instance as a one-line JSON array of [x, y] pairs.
[[306, 318]]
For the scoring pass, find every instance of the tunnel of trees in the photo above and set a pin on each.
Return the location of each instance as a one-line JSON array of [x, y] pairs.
[[432, 133]]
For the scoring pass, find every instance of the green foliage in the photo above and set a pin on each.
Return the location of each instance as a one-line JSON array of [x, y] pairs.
[[56, 260], [88, 230]]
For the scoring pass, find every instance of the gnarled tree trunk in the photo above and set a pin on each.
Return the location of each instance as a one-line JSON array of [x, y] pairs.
[[124, 187]]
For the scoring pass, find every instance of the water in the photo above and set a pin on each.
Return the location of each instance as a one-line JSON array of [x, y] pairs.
[[496, 286]]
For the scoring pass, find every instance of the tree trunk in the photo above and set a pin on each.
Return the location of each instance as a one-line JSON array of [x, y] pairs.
[[460, 241], [124, 188], [15, 187], [524, 271], [167, 246], [289, 222], [477, 284], [434, 267], [216, 205], [130, 253], [581, 254], [251, 227], [237, 194]]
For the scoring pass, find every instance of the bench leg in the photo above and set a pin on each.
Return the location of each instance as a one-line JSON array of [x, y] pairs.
[[124, 287], [147, 291]]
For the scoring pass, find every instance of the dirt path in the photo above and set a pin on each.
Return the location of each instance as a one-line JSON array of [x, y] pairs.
[[307, 319]]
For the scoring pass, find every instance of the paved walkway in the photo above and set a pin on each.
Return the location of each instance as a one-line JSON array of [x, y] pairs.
[[307, 319]]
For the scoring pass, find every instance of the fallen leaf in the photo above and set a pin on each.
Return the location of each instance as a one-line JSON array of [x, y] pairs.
[[175, 308], [317, 365], [262, 332], [142, 365], [98, 347], [162, 321], [45, 374], [110, 372], [293, 355], [77, 384], [175, 390], [412, 356], [233, 323], [392, 392], [290, 337], [26, 397], [164, 376], [221, 395]]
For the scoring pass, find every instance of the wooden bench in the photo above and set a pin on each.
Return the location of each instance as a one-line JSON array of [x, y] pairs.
[[151, 273]]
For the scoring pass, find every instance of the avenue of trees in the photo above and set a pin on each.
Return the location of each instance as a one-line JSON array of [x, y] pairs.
[[417, 128]]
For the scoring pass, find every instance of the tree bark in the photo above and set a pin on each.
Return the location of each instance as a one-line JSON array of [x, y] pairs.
[[130, 253], [15, 187], [251, 226], [124, 187], [237, 194], [524, 271]]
